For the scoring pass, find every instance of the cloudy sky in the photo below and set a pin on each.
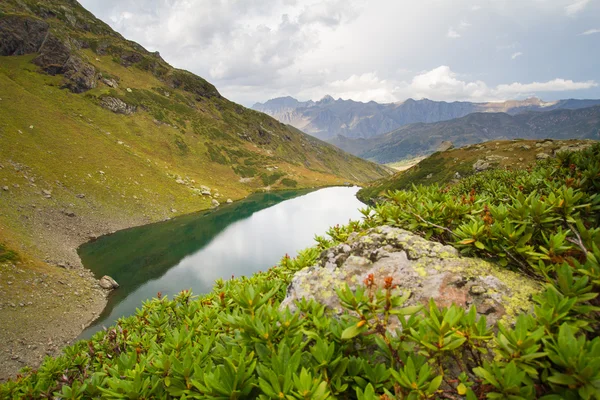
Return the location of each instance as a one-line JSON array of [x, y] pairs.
[[382, 50]]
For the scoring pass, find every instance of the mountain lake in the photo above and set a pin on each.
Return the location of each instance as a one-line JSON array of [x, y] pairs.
[[192, 251]]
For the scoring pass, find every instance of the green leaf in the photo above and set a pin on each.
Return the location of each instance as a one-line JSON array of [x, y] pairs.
[[562, 379], [352, 331], [434, 384], [407, 310]]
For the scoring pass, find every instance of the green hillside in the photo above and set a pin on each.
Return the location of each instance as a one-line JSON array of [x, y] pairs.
[[116, 132], [97, 134], [447, 166], [238, 343]]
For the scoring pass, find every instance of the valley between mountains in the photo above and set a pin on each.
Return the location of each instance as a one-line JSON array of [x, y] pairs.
[[453, 246], [97, 135]]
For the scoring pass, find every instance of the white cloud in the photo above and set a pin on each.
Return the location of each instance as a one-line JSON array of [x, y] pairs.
[[556, 85], [456, 33], [452, 34], [440, 83], [515, 55], [364, 87], [590, 32], [253, 50], [576, 7]]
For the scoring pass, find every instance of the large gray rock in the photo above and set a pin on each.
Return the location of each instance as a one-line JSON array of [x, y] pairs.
[[108, 283], [80, 75], [21, 35], [428, 270], [116, 105], [481, 165]]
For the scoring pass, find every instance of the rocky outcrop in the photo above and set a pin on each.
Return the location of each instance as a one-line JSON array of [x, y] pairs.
[[21, 35], [80, 76], [428, 270], [117, 105]]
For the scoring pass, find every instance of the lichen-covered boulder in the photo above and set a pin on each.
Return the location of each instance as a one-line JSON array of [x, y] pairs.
[[428, 270]]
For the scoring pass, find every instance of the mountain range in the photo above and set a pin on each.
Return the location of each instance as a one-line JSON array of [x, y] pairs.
[[328, 118], [423, 139]]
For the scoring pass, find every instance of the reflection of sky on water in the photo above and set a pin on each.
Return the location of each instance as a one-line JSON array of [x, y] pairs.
[[249, 245], [259, 241]]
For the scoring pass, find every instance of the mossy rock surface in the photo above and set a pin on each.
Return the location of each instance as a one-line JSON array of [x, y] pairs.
[[426, 269]]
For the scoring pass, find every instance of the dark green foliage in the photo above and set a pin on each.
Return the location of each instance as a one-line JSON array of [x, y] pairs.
[[244, 171], [6, 254], [269, 179], [235, 343], [215, 154], [181, 145], [289, 182], [191, 83]]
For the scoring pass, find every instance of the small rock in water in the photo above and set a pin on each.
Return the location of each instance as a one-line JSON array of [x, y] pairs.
[[229, 201], [108, 283]]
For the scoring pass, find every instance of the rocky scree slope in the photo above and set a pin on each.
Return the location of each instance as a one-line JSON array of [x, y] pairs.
[[97, 134], [329, 118]]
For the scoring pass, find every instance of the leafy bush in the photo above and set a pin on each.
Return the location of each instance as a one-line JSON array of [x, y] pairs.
[[289, 182], [245, 171], [236, 343], [215, 154], [269, 179], [7, 254]]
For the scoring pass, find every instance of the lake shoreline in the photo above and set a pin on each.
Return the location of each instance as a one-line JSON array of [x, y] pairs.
[[45, 332]]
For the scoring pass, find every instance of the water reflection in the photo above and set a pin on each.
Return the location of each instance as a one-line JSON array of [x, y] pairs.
[[192, 251]]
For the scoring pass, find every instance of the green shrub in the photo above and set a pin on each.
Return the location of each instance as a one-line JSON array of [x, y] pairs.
[[244, 171], [269, 179], [6, 254], [289, 182], [235, 342], [215, 154]]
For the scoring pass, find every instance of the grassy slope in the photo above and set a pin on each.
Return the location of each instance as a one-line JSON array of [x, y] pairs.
[[131, 169], [441, 167], [64, 140]]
